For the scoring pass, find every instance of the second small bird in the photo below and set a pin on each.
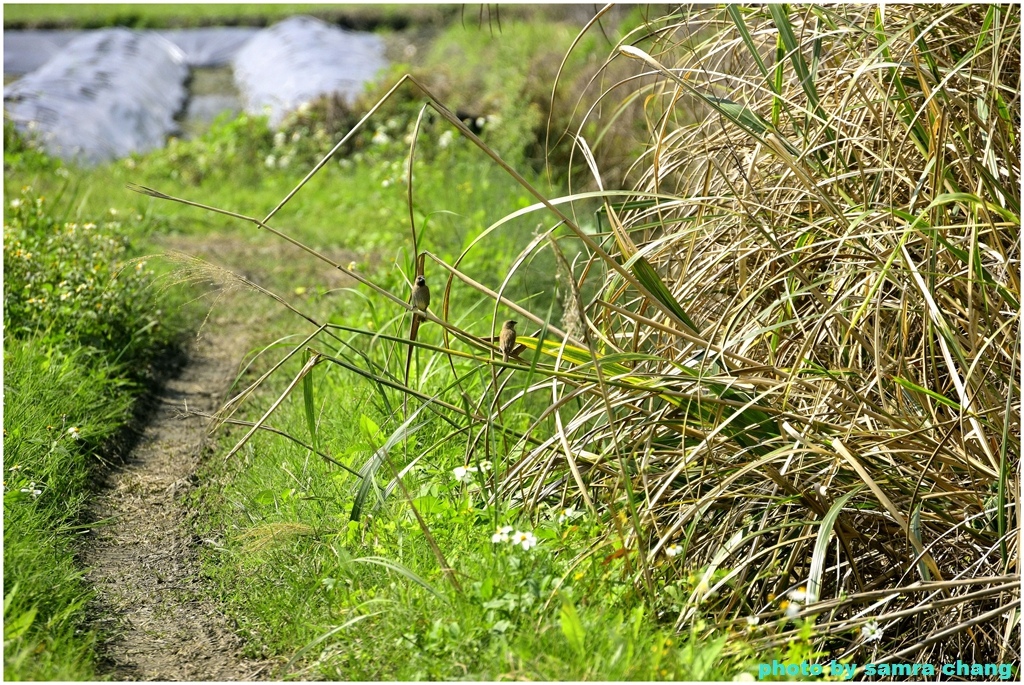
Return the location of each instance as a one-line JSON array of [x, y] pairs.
[[420, 294], [507, 340]]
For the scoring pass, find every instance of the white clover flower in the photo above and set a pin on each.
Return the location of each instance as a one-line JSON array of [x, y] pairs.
[[527, 539], [673, 550], [871, 631], [73, 432], [501, 535]]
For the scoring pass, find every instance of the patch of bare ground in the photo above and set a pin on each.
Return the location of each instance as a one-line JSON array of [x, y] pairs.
[[152, 604]]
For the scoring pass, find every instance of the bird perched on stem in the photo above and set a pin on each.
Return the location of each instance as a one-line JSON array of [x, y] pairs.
[[420, 294], [507, 340]]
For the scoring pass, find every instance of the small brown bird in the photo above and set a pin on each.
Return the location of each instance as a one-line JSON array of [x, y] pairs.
[[507, 340], [420, 294]]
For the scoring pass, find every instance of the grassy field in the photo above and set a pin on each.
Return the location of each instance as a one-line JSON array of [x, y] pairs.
[[33, 15], [766, 401]]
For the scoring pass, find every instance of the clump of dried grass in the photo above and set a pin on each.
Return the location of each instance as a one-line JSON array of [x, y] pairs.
[[831, 196]]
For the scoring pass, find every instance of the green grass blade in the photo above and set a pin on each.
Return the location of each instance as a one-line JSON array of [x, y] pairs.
[[309, 405], [404, 571]]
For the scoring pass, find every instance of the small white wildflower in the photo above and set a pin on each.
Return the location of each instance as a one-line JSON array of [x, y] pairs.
[[743, 677], [270, 162], [480, 122], [484, 466], [527, 539], [284, 161], [799, 595], [445, 139], [792, 609], [752, 621], [871, 631], [462, 472], [279, 139], [566, 514], [73, 432], [32, 490], [385, 183], [673, 550], [64, 295], [501, 535], [380, 137], [296, 137], [15, 203]]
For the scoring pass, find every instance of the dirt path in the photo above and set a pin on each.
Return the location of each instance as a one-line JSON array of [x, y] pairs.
[[144, 564]]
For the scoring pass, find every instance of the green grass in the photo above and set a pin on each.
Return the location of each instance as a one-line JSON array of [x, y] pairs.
[[368, 599], [50, 397]]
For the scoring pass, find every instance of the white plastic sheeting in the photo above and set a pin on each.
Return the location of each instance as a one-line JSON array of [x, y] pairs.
[[203, 47], [300, 59], [107, 94], [101, 95]]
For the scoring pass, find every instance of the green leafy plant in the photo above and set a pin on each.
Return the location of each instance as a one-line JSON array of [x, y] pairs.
[[76, 280]]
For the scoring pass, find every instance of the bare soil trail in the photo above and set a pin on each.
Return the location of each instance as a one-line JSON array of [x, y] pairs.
[[143, 563]]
